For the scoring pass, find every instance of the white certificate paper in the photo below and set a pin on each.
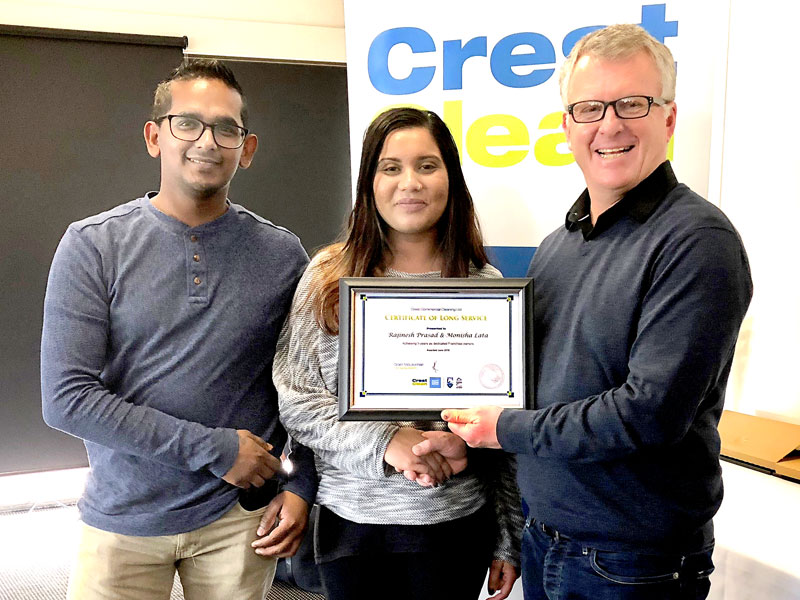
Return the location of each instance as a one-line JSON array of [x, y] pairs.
[[448, 350]]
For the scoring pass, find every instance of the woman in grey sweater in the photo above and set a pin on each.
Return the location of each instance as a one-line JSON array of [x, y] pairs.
[[395, 523]]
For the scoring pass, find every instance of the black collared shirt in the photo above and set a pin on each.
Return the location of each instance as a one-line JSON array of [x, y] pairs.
[[639, 203]]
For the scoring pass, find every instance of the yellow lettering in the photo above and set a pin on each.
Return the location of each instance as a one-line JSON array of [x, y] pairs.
[[479, 139], [545, 149]]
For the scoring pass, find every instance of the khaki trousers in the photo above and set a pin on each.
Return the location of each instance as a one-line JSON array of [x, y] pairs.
[[214, 562]]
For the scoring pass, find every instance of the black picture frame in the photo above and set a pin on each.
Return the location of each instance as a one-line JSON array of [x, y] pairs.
[[358, 404]]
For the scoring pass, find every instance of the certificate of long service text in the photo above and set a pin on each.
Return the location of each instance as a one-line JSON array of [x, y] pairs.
[[465, 349]]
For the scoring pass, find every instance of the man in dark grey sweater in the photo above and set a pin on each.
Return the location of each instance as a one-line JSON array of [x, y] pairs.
[[638, 302], [161, 318]]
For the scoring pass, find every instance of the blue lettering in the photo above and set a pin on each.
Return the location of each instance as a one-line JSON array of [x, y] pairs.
[[654, 20], [454, 57], [502, 60], [419, 41]]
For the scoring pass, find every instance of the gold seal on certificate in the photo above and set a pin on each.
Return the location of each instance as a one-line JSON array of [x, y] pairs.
[[409, 348]]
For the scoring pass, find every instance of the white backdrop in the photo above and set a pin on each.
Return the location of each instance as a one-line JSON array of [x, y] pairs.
[[491, 72]]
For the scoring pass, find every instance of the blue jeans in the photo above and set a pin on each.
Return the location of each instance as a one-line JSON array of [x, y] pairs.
[[555, 567]]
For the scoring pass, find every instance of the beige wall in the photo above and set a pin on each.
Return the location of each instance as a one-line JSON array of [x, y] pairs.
[[303, 30]]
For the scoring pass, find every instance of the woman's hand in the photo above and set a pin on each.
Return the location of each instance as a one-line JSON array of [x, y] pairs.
[[400, 455], [502, 576], [451, 447]]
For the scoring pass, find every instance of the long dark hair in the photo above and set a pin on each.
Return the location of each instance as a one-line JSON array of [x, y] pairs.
[[364, 248]]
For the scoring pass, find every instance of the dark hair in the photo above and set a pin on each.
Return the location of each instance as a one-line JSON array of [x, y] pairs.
[[365, 248], [195, 68]]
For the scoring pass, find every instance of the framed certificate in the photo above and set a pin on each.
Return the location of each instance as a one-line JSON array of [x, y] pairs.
[[409, 348]]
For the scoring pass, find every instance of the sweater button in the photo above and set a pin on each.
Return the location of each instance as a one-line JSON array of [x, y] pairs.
[[193, 237], [197, 281], [196, 258]]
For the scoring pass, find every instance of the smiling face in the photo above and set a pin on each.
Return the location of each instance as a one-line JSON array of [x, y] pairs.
[[199, 169], [410, 184], [616, 154]]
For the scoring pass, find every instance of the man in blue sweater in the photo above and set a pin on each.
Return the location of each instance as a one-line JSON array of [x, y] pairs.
[[160, 323], [638, 302]]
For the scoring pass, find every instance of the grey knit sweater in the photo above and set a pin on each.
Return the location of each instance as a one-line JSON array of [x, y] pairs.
[[349, 455]]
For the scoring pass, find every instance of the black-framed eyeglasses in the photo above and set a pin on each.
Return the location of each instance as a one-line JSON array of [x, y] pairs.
[[629, 107], [190, 129]]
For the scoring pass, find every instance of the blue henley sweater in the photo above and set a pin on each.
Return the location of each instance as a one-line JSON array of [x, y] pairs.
[[157, 345], [636, 320]]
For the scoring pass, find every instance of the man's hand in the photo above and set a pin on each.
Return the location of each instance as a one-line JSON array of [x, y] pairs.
[[502, 576], [476, 426], [283, 523], [451, 447], [254, 464], [402, 458]]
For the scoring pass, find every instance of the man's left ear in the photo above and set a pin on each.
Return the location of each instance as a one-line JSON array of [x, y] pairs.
[[565, 127], [248, 150], [671, 118]]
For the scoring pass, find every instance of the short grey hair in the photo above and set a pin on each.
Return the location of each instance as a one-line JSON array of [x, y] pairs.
[[617, 42]]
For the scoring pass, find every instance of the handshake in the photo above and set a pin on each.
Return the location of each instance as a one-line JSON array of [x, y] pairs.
[[431, 457]]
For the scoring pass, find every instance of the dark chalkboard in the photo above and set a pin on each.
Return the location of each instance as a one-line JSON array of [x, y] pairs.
[[73, 107]]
